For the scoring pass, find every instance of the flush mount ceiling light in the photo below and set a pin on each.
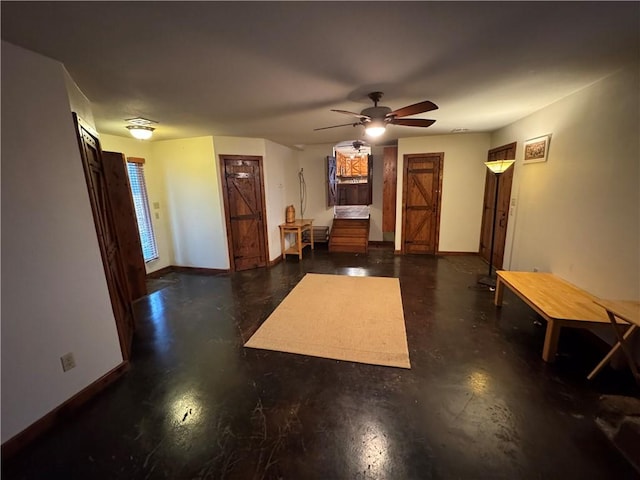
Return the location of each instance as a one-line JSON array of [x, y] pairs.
[[141, 133], [140, 128]]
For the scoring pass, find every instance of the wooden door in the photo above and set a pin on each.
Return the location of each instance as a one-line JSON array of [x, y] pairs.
[[104, 219], [504, 152], [422, 186], [390, 180], [115, 170], [243, 189]]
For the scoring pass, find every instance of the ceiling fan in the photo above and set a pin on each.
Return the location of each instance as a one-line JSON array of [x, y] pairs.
[[375, 119], [358, 144]]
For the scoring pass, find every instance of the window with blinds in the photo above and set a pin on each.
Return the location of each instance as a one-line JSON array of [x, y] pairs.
[[135, 169]]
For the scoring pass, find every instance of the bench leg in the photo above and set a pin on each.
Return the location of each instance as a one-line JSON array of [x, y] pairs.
[[497, 299], [611, 353], [551, 338]]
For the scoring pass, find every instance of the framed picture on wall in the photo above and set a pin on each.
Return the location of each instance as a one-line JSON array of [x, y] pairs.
[[536, 149]]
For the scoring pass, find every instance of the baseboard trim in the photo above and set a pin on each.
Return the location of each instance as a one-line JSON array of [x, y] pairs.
[[457, 253], [196, 270], [444, 254], [159, 273], [381, 244], [200, 270], [275, 261], [60, 413]]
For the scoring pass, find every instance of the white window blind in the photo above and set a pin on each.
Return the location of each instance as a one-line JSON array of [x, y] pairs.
[[143, 214]]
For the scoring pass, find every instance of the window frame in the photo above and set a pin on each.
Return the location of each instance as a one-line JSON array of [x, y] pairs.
[[140, 198]]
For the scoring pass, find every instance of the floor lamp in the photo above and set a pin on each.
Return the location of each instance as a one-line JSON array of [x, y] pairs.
[[498, 167]]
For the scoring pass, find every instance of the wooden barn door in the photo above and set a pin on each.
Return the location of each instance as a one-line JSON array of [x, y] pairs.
[[103, 216], [422, 186], [505, 152], [115, 171], [243, 190]]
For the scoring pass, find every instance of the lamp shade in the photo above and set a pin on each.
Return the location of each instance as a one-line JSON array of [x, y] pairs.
[[499, 166], [141, 132]]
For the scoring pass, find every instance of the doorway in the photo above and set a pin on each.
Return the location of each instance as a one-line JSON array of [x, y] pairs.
[[244, 207], [421, 199], [504, 152]]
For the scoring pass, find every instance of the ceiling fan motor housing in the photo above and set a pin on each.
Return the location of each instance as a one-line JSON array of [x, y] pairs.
[[376, 113]]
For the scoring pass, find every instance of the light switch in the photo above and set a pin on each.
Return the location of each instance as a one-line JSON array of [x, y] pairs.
[[157, 216], [156, 205]]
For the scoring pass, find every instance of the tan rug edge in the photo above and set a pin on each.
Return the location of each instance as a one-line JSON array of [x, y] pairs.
[[403, 362]]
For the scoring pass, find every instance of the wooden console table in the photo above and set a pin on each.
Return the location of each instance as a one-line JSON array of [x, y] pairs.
[[296, 227]]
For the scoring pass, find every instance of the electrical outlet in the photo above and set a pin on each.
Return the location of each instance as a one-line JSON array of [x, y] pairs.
[[68, 362]]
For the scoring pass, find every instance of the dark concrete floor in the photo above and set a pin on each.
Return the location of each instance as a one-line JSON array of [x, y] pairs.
[[478, 402]]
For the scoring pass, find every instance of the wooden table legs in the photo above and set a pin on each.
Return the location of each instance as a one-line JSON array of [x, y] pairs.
[[622, 343], [297, 228], [497, 299], [551, 338], [552, 334]]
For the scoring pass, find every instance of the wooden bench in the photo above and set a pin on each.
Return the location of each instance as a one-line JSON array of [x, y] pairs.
[[559, 302]]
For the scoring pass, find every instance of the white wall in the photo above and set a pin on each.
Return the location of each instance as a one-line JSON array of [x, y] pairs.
[[239, 146], [462, 187], [578, 214], [78, 102], [313, 161], [281, 189], [54, 294], [156, 190], [194, 201]]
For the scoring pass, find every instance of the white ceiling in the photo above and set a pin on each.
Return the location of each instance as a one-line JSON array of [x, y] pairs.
[[275, 69]]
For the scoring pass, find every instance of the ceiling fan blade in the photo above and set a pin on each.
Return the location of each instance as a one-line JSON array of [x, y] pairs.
[[346, 112], [412, 122], [421, 107], [336, 126]]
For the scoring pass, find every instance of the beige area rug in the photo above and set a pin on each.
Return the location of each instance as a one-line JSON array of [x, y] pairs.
[[357, 319]]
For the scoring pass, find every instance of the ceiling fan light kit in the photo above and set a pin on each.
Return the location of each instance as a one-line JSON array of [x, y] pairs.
[[375, 119], [375, 128]]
